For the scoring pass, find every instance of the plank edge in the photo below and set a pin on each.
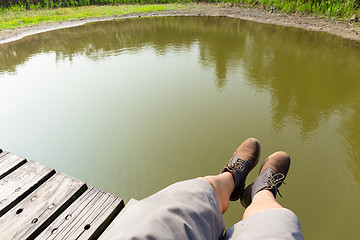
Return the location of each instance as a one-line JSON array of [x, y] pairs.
[[108, 220], [13, 168]]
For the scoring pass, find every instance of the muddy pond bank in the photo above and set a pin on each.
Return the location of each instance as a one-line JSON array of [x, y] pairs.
[[340, 28]]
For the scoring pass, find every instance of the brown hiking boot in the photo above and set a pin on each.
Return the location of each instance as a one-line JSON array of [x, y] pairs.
[[241, 163], [272, 174]]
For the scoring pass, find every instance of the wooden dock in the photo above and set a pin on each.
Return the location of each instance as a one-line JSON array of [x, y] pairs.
[[36, 202]]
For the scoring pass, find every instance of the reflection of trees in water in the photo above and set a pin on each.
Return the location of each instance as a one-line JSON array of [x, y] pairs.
[[307, 81], [350, 130], [309, 75], [217, 37]]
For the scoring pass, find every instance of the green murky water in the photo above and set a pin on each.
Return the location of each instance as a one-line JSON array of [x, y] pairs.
[[134, 105]]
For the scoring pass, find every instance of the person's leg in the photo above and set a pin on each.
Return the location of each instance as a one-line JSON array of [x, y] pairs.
[[190, 209], [272, 223], [264, 218], [183, 210], [260, 195], [229, 184], [223, 185], [263, 200]]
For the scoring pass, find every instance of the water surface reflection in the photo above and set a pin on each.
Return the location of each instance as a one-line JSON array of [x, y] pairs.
[[136, 104]]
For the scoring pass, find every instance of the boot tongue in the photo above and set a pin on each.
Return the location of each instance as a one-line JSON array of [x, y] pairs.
[[241, 168], [239, 171]]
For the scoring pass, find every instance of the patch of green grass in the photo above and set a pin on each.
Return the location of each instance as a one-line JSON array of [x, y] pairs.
[[341, 9], [12, 18], [35, 4]]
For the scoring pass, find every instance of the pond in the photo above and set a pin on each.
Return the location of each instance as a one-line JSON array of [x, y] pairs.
[[133, 105]]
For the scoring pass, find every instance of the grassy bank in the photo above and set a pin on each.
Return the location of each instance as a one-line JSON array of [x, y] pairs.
[[342, 9], [334, 8], [17, 13], [10, 18]]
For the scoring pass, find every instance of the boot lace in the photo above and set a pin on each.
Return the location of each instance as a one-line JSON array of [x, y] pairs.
[[238, 164], [274, 180]]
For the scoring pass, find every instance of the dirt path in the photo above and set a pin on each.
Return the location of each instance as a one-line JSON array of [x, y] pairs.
[[343, 29]]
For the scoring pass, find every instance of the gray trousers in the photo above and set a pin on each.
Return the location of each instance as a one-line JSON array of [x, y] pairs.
[[190, 210]]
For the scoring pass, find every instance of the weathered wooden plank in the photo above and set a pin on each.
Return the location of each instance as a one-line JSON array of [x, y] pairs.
[[20, 183], [114, 226], [34, 213], [86, 218], [9, 162]]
